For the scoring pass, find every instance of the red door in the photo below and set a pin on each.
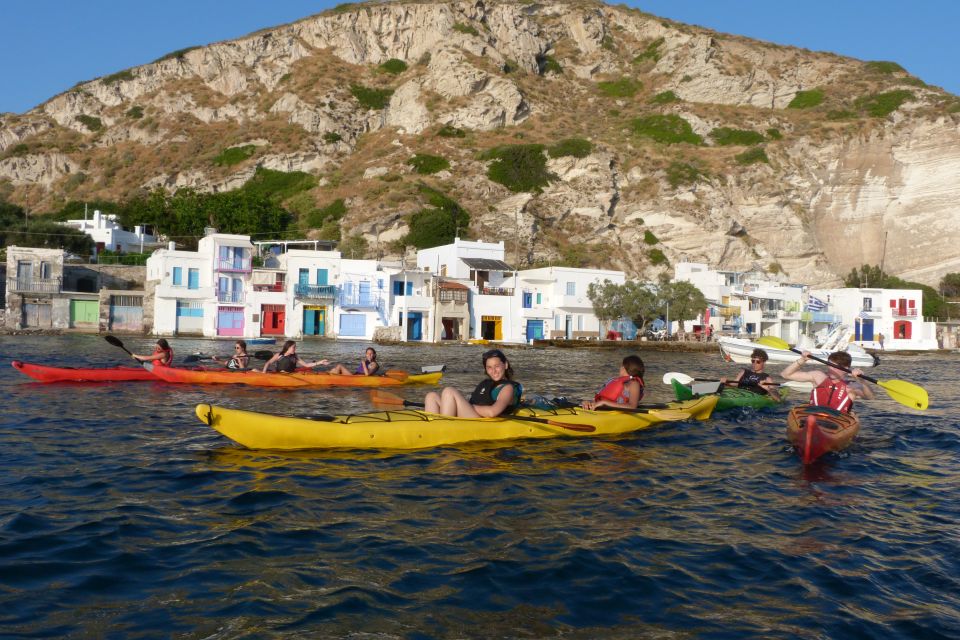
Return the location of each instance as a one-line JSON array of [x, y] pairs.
[[274, 320]]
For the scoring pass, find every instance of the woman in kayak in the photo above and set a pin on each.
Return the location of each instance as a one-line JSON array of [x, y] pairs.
[[495, 395], [831, 388], [240, 359], [755, 379], [624, 391], [287, 360], [367, 367], [162, 354]]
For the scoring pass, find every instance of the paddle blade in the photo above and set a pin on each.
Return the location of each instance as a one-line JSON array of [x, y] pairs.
[[773, 342], [906, 393], [263, 354], [385, 398], [396, 374], [682, 378], [191, 358], [116, 342]]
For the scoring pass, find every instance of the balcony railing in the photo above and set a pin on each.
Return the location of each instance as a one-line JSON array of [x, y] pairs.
[[496, 291], [358, 300], [316, 291], [276, 287], [904, 313], [230, 296], [30, 285], [452, 295], [243, 265]]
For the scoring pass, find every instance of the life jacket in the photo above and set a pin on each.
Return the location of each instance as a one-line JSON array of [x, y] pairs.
[[486, 393], [369, 363], [615, 390], [287, 364], [168, 355], [751, 380], [236, 363], [833, 394]]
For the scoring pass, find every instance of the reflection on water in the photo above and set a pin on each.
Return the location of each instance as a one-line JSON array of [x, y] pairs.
[[121, 514]]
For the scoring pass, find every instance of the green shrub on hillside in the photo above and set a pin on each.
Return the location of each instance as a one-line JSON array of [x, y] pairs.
[[657, 257], [178, 54], [725, 136], [470, 30], [17, 150], [679, 173], [331, 136], [885, 67], [449, 131], [278, 185], [667, 129], [649, 238], [774, 134], [652, 52], [548, 64], [751, 156], [119, 76], [840, 114], [664, 97], [135, 113], [426, 164], [622, 88], [883, 104], [371, 98], [438, 223], [806, 99], [394, 66], [576, 147], [954, 108], [324, 215], [519, 167], [90, 122], [234, 155]]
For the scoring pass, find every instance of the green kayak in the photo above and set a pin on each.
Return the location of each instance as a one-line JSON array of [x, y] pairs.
[[731, 397]]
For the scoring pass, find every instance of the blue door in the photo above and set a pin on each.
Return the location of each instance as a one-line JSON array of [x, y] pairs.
[[364, 294], [304, 276], [414, 325], [353, 325], [534, 329], [321, 277]]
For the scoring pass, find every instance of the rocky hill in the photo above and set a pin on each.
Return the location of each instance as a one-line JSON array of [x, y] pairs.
[[658, 141]]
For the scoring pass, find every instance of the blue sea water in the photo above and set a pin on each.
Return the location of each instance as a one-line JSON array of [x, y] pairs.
[[122, 515]]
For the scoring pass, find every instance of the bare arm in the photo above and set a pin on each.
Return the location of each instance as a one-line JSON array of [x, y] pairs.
[[860, 389], [504, 400], [269, 362], [792, 372]]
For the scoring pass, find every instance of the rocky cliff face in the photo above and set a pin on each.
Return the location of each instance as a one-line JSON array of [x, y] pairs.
[[815, 192]]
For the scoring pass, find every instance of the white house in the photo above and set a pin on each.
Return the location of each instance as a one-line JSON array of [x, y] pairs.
[[895, 313], [311, 292], [108, 234], [553, 302]]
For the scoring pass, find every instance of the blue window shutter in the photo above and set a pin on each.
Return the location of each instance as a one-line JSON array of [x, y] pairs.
[[304, 276], [177, 276], [397, 288], [193, 279], [409, 288], [321, 276]]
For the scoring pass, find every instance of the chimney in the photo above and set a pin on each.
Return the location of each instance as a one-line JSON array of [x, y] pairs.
[[209, 231], [172, 246]]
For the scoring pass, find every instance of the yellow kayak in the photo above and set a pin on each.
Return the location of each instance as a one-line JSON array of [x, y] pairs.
[[414, 429]]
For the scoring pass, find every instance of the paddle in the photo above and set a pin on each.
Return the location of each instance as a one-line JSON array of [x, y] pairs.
[[906, 393], [117, 343], [683, 378], [387, 398]]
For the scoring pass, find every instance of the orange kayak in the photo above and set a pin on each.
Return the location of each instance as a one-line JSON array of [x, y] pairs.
[[44, 373], [296, 379], [814, 431]]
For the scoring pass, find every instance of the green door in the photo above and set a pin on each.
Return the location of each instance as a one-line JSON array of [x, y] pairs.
[[84, 312]]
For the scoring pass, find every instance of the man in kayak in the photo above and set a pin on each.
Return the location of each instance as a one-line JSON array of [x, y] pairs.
[[287, 360], [162, 354], [755, 379], [367, 367], [240, 359], [831, 388], [624, 391], [495, 395]]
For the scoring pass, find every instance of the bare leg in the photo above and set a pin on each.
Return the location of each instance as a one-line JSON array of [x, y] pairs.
[[340, 370], [431, 403], [452, 403]]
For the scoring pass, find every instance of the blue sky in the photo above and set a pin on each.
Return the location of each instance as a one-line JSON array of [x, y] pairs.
[[50, 45]]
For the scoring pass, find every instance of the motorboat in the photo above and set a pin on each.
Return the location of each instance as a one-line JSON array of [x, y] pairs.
[[738, 350]]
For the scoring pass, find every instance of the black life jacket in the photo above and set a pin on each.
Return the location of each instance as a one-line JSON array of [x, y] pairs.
[[751, 380], [287, 364], [486, 393]]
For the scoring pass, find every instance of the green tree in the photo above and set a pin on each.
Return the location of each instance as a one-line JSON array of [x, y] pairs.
[[640, 303], [950, 285], [606, 298], [681, 301]]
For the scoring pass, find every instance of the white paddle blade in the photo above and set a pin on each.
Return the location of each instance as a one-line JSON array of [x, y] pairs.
[[682, 378]]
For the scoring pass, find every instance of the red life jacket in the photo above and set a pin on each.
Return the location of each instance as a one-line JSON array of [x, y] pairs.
[[615, 390], [833, 394], [167, 360]]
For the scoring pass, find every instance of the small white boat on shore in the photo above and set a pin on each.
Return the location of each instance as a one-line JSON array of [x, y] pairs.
[[738, 350]]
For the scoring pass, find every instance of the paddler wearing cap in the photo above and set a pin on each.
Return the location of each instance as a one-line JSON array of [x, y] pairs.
[[495, 395]]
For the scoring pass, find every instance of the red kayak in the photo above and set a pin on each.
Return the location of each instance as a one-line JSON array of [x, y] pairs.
[[814, 431], [43, 373]]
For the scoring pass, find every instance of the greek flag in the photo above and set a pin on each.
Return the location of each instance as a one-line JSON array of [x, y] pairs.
[[815, 304]]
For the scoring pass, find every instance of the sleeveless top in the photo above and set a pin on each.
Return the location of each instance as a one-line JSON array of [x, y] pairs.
[[615, 390], [751, 380], [368, 363], [486, 393], [833, 394], [287, 364], [235, 362], [168, 356]]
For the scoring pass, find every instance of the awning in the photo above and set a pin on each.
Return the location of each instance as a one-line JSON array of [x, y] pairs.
[[486, 264]]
